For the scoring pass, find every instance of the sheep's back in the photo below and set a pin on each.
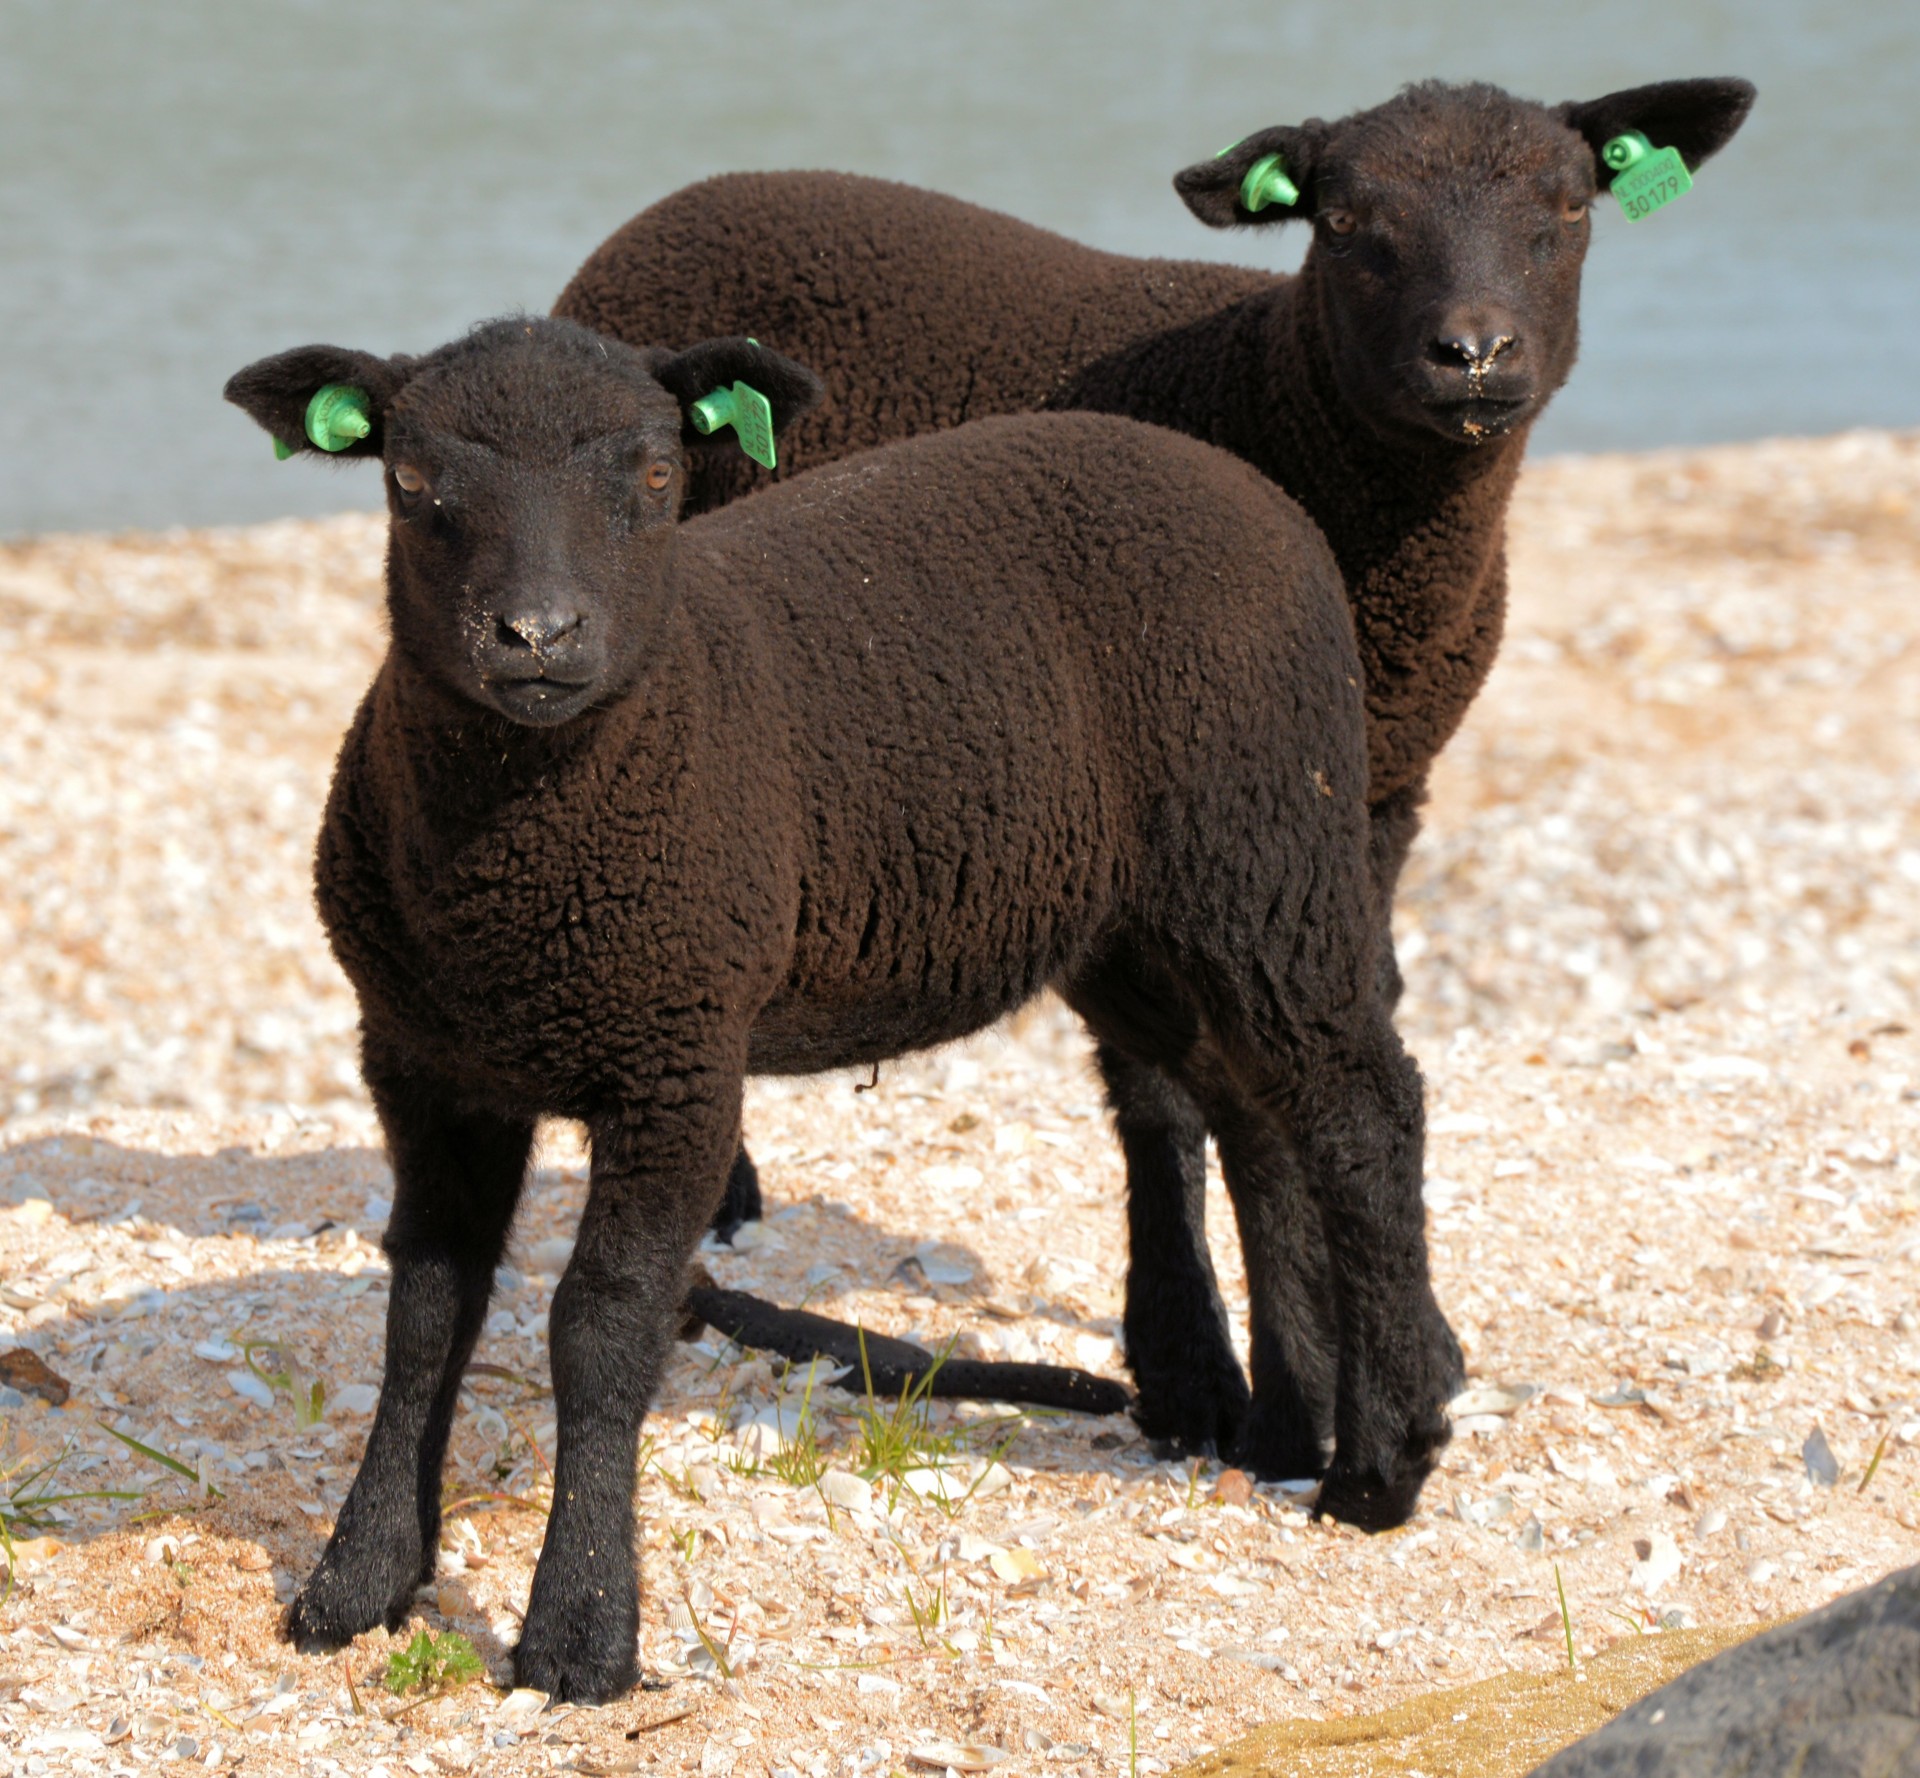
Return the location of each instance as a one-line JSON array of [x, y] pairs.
[[920, 311], [1014, 659]]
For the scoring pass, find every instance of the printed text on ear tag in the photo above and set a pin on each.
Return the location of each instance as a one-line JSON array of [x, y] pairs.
[[1267, 183], [747, 411], [338, 416], [1646, 178]]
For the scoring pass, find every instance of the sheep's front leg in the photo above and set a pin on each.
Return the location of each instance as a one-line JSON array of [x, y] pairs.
[[658, 1172], [457, 1176]]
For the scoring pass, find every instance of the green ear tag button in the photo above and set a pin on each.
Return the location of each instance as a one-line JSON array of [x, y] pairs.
[[747, 411], [339, 415], [1267, 183], [1646, 178]]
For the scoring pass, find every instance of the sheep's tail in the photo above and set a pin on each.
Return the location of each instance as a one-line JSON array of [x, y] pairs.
[[888, 1366]]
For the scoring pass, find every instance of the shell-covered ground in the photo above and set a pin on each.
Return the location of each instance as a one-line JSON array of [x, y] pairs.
[[1662, 941]]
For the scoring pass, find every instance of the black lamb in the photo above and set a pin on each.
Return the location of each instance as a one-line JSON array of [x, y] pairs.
[[1389, 387], [635, 808]]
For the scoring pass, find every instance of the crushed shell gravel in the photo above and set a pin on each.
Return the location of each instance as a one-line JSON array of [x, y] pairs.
[[1662, 940]]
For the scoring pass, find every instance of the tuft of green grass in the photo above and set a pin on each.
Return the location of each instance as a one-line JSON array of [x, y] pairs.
[[289, 1378], [1133, 1736], [154, 1454], [1873, 1465], [801, 1461], [1566, 1618], [900, 1435], [719, 1651], [31, 1502], [929, 1615], [1193, 1499], [431, 1663]]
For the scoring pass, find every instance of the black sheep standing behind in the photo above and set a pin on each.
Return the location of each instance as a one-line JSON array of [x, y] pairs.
[[1389, 387]]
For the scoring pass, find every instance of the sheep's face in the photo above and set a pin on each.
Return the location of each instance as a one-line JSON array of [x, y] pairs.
[[533, 474], [1449, 229], [530, 550]]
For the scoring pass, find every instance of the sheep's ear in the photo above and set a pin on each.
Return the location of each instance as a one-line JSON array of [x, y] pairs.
[[320, 398], [1698, 117], [737, 384], [1266, 178]]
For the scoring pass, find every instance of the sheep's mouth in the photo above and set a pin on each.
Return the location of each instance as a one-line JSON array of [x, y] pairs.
[[513, 681], [539, 699], [1478, 416]]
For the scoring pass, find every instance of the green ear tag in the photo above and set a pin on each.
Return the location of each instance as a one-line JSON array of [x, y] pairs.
[[1645, 178], [339, 415], [747, 411], [1267, 183]]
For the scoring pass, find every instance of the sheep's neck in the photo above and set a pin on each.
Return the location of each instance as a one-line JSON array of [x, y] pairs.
[[1418, 527], [1419, 530], [464, 768]]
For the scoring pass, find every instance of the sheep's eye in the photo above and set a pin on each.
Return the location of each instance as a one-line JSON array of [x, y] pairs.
[[408, 479], [1573, 209], [658, 475], [1340, 222]]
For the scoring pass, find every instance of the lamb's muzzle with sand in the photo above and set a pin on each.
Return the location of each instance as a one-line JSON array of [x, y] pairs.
[[636, 808]]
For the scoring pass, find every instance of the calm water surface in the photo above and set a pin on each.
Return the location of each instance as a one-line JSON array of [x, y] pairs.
[[185, 186]]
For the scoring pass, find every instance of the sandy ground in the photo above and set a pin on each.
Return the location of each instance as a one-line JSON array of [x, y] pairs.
[[1663, 944]]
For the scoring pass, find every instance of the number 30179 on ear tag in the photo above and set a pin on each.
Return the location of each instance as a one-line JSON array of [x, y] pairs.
[[747, 411], [1646, 178], [753, 422]]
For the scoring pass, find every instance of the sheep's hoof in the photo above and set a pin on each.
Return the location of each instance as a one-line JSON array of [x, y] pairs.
[[334, 1607], [1379, 1497], [570, 1673], [1273, 1448], [579, 1641], [1197, 1414]]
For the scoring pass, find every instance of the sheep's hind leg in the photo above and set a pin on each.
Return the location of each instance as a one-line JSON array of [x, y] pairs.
[[657, 1173], [1352, 1107], [457, 1177], [742, 1201], [1289, 1429], [1192, 1396]]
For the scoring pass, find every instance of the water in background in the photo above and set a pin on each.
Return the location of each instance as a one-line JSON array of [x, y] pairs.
[[186, 186]]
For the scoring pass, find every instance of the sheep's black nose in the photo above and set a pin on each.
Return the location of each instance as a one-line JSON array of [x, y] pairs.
[[539, 630], [1474, 347]]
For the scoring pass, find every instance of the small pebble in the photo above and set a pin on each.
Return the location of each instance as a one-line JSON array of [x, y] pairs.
[[550, 1255], [250, 1388], [1658, 1565], [1823, 1468], [968, 1756], [840, 1489], [1234, 1488]]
